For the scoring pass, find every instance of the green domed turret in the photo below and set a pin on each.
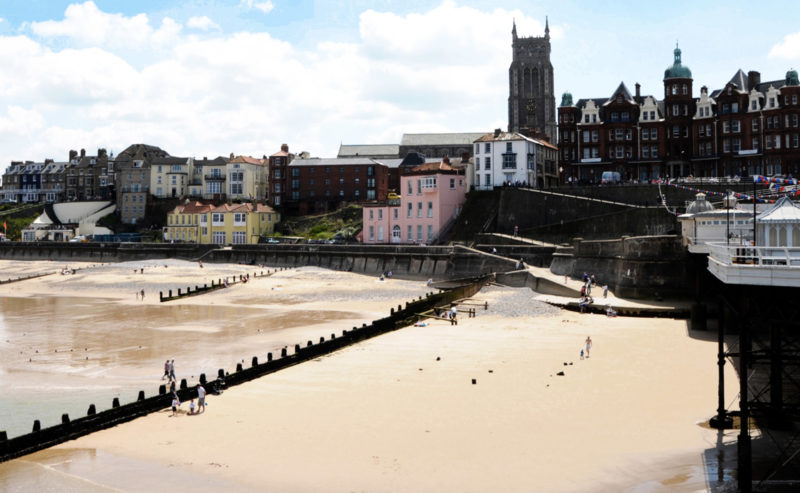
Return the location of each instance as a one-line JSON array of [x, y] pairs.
[[791, 78], [677, 70], [566, 99]]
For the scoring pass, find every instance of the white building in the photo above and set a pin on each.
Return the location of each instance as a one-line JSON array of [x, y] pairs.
[[512, 158]]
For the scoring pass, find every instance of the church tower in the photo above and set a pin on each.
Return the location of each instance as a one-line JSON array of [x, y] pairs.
[[531, 103]]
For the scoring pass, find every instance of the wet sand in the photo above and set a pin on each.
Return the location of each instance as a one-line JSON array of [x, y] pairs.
[[67, 341], [387, 415]]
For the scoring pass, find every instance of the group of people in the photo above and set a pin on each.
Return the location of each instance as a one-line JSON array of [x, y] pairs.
[[169, 373]]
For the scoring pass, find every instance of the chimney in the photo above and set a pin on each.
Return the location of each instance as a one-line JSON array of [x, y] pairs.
[[101, 153], [446, 159], [72, 155], [285, 147], [48, 161], [83, 152], [638, 92], [704, 90], [753, 79], [231, 155], [497, 132]]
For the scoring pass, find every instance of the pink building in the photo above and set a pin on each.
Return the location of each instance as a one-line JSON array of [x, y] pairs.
[[431, 197]]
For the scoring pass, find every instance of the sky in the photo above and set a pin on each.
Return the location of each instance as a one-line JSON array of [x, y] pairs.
[[214, 77]]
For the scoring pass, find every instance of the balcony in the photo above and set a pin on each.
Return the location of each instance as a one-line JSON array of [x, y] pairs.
[[215, 177]]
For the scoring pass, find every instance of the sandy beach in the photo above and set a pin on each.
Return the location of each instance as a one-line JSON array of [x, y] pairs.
[[400, 412]]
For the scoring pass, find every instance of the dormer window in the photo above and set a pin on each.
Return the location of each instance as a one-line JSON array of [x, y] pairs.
[[754, 105], [771, 102], [683, 89], [619, 98]]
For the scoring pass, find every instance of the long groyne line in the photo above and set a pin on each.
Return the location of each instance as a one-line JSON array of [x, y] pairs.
[[41, 438], [220, 284]]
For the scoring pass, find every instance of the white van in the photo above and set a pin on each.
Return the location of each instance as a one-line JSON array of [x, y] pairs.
[[610, 177]]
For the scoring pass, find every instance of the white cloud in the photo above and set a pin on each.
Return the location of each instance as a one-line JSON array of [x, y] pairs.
[[124, 79], [789, 48], [201, 22], [265, 7]]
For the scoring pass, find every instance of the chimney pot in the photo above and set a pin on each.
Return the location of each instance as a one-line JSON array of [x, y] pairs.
[[285, 147]]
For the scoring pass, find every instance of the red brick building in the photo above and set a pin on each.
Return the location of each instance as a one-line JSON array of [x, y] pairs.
[[316, 185], [747, 127]]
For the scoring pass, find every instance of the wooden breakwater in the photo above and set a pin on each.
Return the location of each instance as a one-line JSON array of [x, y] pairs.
[[69, 429], [219, 284]]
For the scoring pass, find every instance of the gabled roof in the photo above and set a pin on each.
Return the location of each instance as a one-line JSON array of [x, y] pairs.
[[502, 136], [247, 160], [428, 167], [170, 160], [243, 207], [739, 80], [626, 94], [784, 211], [217, 161], [193, 208]]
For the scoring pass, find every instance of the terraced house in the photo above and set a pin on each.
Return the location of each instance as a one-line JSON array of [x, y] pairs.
[[226, 224]]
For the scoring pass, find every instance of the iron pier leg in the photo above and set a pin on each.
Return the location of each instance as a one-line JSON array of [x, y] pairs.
[[744, 447]]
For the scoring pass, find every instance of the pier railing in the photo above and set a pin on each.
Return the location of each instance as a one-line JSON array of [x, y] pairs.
[[755, 255]]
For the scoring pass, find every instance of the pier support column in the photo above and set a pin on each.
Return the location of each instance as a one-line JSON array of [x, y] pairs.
[[743, 445]]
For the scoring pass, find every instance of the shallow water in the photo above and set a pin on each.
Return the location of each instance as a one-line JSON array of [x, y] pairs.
[[60, 354]]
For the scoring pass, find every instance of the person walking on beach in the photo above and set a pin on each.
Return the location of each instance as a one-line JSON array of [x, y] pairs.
[[201, 399], [166, 370], [142, 294], [588, 345], [605, 290], [172, 370]]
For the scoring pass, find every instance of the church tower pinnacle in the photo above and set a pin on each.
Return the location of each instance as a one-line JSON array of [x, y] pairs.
[[531, 102]]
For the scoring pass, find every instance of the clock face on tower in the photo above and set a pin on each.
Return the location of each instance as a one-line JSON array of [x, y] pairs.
[[530, 106]]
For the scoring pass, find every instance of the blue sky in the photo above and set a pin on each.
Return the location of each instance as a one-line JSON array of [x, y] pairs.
[[207, 78]]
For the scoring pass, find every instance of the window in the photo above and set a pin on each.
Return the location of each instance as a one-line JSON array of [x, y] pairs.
[[410, 233], [239, 219], [736, 145], [239, 238], [676, 110], [509, 161], [754, 105], [395, 212], [380, 233], [372, 233], [645, 152], [341, 181], [217, 219], [734, 107], [683, 89], [487, 148], [295, 172], [487, 163], [410, 209], [452, 183], [586, 136], [595, 136], [618, 134], [735, 126], [219, 237], [615, 117], [508, 146], [410, 187], [419, 233], [430, 209], [487, 180], [430, 232], [676, 131], [380, 214], [701, 131], [726, 145], [419, 209], [755, 144], [654, 152], [755, 125], [652, 115], [371, 215], [726, 127]]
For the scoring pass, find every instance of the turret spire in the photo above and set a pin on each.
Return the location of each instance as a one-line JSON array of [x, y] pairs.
[[514, 29], [546, 28]]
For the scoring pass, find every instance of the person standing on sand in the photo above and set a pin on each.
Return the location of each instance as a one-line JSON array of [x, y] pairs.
[[588, 345], [142, 294], [172, 370], [201, 399], [166, 368], [175, 405]]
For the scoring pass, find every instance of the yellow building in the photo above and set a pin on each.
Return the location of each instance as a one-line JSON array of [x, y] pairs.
[[226, 224], [239, 224], [247, 178], [183, 222]]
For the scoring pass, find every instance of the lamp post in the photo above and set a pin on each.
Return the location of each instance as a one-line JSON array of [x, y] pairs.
[[728, 217]]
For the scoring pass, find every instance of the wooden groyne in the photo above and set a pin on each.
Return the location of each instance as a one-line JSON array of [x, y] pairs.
[[70, 429], [219, 284]]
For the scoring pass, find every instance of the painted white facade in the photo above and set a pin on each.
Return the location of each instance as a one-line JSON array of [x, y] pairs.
[[509, 158]]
